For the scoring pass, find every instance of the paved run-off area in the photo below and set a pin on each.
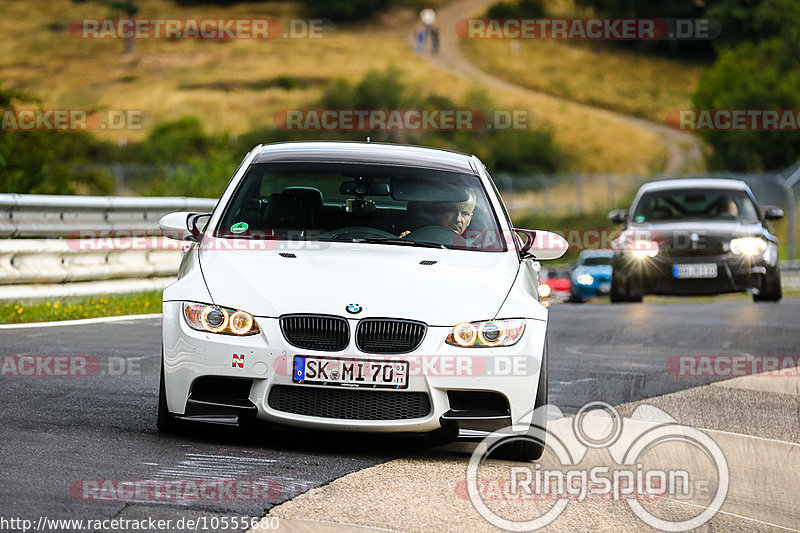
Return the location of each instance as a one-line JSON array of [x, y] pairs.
[[753, 420]]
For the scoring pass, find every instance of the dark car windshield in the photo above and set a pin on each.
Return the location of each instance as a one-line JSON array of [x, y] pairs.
[[695, 204], [375, 204], [596, 261]]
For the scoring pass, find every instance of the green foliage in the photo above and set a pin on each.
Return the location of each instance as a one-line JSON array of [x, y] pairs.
[[516, 9], [344, 9], [664, 9], [46, 162], [175, 141], [182, 159], [753, 76], [753, 20]]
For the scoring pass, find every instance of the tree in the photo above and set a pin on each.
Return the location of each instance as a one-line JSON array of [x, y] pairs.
[[762, 75]]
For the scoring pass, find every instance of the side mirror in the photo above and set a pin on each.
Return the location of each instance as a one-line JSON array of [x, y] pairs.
[[771, 212], [542, 245], [182, 226], [618, 216]]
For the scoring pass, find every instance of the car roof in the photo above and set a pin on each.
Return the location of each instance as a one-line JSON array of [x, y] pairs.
[[358, 152], [695, 183]]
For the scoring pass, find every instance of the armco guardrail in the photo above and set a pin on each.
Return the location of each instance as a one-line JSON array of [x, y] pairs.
[[26, 261], [77, 238], [26, 215]]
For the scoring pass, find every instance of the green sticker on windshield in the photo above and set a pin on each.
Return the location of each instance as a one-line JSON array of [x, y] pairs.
[[239, 227], [639, 218]]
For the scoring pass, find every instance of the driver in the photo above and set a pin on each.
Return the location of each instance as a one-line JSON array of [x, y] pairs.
[[454, 216]]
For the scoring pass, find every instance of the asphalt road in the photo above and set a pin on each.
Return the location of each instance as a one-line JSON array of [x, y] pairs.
[[60, 430]]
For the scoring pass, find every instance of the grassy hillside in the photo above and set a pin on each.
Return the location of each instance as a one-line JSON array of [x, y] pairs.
[[237, 86], [591, 72]]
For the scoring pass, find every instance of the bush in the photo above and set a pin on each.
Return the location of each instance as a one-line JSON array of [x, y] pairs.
[[516, 9], [753, 76], [174, 141], [344, 9]]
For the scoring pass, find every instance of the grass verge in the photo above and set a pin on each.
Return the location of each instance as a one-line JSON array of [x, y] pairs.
[[76, 307]]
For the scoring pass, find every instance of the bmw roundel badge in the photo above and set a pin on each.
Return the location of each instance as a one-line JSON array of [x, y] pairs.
[[353, 309]]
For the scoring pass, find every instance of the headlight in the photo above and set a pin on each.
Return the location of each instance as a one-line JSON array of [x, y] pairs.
[[544, 290], [748, 246], [642, 249], [585, 279], [487, 334], [214, 319]]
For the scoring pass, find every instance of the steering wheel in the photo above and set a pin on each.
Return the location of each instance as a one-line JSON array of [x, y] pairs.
[[355, 232], [438, 235]]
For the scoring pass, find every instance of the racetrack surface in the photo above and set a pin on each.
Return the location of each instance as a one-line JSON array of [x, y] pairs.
[[59, 430]]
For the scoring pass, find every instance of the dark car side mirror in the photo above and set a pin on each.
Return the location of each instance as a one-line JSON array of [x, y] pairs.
[[618, 216], [771, 212]]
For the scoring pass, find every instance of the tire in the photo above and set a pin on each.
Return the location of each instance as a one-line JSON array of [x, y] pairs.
[[532, 448], [619, 295], [165, 422], [574, 298], [770, 290]]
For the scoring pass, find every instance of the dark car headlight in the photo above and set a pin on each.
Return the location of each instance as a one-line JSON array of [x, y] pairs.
[[215, 319]]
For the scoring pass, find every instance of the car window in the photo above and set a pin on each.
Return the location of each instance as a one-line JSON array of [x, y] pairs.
[[695, 204], [362, 203], [596, 261]]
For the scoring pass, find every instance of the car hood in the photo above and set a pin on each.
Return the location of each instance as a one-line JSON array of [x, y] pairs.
[[710, 228], [385, 280]]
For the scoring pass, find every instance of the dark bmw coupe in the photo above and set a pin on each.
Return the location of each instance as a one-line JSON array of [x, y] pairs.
[[695, 237]]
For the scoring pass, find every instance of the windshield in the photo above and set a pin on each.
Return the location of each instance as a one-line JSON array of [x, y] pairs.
[[712, 204], [596, 261], [376, 204]]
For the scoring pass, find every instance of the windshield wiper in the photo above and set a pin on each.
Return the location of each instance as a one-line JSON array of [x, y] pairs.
[[397, 240]]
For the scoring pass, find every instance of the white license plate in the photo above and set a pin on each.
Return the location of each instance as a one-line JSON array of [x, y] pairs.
[[699, 270], [345, 372]]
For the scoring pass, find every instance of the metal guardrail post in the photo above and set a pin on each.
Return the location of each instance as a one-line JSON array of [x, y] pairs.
[[791, 202]]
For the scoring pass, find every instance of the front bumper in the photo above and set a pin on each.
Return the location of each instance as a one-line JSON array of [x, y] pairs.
[[655, 275], [252, 376]]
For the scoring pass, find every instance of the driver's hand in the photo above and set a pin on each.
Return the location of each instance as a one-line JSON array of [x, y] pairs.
[[406, 232]]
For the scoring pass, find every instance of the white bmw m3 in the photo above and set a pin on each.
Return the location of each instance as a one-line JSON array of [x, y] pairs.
[[358, 287]]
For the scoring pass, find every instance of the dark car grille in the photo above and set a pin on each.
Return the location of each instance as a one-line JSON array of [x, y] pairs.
[[378, 335], [349, 404], [682, 245], [316, 332]]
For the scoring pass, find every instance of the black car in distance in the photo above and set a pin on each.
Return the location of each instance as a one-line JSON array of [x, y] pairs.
[[695, 237]]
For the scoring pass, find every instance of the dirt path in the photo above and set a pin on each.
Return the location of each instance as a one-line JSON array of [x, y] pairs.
[[683, 149]]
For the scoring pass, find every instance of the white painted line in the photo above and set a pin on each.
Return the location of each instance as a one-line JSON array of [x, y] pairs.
[[743, 517], [79, 322]]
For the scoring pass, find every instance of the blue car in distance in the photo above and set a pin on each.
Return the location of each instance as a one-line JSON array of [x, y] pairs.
[[592, 275]]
